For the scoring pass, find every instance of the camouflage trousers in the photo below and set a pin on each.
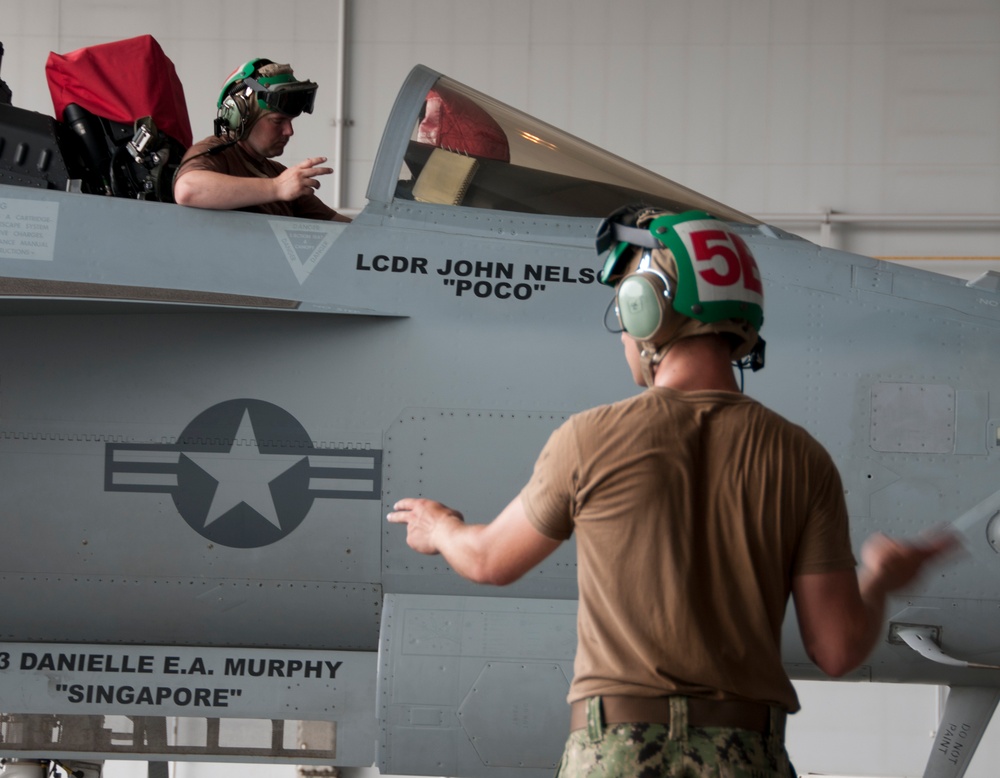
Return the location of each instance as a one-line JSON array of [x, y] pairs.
[[674, 751]]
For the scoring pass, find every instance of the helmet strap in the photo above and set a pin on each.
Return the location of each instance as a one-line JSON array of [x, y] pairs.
[[648, 360], [650, 355]]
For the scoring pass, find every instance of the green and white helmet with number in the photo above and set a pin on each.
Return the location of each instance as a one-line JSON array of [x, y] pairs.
[[681, 275]]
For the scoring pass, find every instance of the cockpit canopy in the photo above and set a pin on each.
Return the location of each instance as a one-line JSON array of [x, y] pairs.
[[468, 149]]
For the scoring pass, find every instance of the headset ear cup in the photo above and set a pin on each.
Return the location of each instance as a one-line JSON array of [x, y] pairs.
[[235, 113], [643, 305], [229, 112]]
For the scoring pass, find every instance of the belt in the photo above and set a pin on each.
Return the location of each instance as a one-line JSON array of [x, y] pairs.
[[754, 716]]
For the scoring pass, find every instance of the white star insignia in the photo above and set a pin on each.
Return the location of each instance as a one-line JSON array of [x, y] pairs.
[[244, 475]]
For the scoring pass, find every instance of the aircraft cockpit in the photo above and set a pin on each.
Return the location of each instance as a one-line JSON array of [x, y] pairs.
[[444, 144], [468, 149]]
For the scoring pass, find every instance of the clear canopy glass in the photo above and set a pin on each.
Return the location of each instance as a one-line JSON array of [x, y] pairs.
[[470, 150]]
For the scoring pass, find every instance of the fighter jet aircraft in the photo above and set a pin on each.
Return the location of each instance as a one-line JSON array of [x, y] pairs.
[[205, 416]]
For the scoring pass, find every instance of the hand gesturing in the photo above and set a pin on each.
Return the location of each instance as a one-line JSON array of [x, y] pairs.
[[301, 179]]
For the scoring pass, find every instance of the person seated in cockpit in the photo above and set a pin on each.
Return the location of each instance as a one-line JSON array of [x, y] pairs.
[[234, 168]]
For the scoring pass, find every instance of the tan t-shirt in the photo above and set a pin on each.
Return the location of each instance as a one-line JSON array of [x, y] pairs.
[[235, 161], [692, 513]]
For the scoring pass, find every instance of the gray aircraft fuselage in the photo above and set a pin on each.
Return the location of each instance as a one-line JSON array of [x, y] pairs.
[[205, 416]]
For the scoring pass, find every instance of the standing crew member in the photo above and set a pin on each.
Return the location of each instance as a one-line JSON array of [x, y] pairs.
[[233, 170], [697, 513]]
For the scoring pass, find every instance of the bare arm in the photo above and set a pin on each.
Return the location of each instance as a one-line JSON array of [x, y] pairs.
[[496, 553], [218, 191], [841, 614]]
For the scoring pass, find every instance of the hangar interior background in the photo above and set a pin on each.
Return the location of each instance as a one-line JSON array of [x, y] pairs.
[[868, 125]]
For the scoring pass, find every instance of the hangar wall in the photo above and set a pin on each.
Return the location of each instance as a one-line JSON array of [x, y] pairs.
[[781, 108]]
